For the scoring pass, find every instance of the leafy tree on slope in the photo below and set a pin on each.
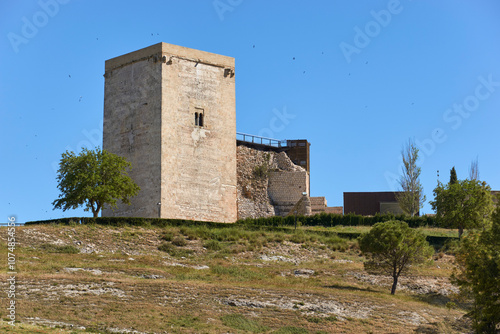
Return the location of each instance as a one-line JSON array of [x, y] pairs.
[[93, 179]]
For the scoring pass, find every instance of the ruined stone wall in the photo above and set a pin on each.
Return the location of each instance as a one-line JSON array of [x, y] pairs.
[[286, 188], [269, 183]]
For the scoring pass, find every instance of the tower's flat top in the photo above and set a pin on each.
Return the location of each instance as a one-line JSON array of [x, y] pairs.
[[167, 50]]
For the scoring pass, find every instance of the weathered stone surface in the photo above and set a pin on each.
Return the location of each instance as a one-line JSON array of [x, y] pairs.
[[253, 201], [186, 168], [303, 272], [269, 183], [286, 188]]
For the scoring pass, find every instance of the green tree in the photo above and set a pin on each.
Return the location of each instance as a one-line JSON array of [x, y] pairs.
[[466, 204], [478, 275], [411, 198], [93, 179], [391, 247], [453, 176]]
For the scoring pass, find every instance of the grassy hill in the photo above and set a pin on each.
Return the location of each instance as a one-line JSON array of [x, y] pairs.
[[91, 278]]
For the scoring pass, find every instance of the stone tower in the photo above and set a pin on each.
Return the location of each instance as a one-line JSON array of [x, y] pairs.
[[170, 111]]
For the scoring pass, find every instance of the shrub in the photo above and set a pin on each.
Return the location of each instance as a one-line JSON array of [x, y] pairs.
[[174, 251], [261, 171], [167, 236], [167, 248], [68, 249], [179, 241], [213, 245]]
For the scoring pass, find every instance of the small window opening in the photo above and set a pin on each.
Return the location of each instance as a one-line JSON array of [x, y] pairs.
[[199, 117]]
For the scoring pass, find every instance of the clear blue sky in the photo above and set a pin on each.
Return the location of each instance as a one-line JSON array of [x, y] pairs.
[[355, 78]]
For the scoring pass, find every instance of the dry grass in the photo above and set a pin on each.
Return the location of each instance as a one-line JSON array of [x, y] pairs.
[[217, 281]]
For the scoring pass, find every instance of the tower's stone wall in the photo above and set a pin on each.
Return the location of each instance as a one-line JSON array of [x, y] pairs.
[[184, 163], [132, 129]]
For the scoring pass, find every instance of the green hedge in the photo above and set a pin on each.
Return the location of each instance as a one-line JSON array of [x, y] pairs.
[[128, 221], [330, 220], [323, 219]]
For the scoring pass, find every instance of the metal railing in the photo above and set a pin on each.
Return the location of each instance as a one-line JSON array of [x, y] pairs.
[[260, 140]]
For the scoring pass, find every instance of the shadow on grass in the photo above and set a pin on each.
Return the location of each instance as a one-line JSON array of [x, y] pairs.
[[434, 299], [350, 288], [440, 300], [457, 325]]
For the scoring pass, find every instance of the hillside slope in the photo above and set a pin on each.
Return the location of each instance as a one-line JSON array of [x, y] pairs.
[[199, 280]]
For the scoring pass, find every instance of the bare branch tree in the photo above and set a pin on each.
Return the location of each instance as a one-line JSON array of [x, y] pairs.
[[474, 170]]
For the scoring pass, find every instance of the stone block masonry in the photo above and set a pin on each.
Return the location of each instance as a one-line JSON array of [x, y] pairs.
[[319, 205], [170, 111], [286, 188]]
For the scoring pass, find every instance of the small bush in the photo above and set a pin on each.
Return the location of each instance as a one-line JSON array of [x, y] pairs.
[[314, 320], [213, 245], [331, 318], [166, 247], [167, 236], [179, 241], [189, 233], [261, 172], [67, 249], [174, 251]]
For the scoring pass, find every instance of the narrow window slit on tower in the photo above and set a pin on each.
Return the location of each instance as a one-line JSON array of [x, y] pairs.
[[199, 117]]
